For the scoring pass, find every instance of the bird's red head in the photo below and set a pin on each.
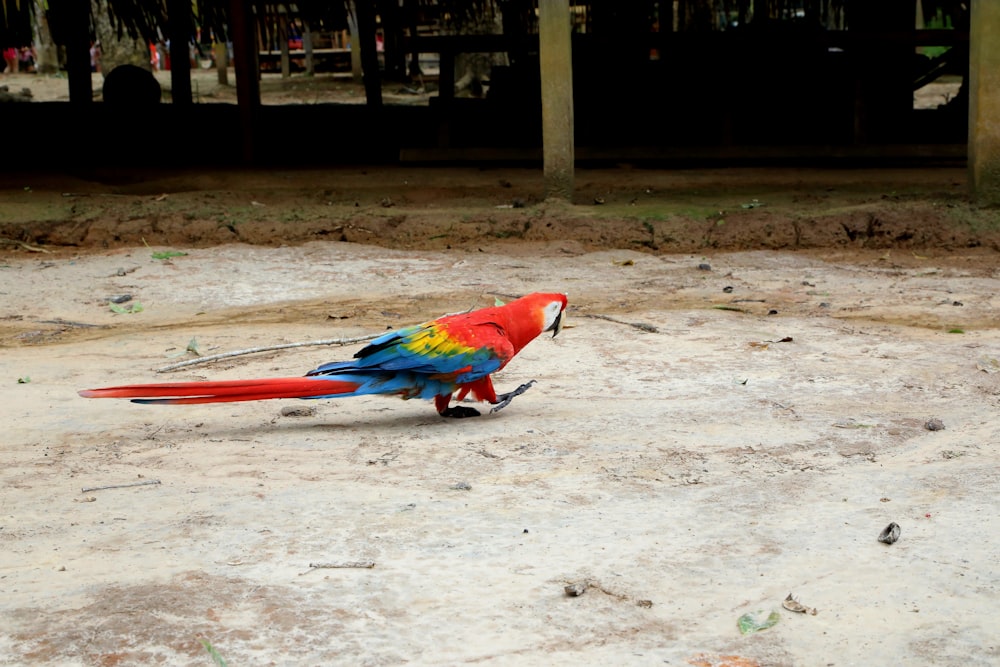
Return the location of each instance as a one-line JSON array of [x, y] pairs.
[[534, 314]]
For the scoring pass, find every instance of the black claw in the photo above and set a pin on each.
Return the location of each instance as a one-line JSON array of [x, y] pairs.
[[459, 412], [503, 400]]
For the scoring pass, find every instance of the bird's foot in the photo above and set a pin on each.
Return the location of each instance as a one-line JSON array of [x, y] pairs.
[[503, 400], [459, 412]]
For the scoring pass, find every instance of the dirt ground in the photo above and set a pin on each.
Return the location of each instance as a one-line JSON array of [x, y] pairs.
[[737, 408], [736, 412]]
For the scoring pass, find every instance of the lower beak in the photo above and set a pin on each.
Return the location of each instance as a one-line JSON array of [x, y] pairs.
[[557, 325]]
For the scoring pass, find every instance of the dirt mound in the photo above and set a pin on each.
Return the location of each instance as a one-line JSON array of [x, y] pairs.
[[441, 208]]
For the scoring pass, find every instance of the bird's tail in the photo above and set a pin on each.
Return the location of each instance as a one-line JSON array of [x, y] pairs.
[[182, 393]]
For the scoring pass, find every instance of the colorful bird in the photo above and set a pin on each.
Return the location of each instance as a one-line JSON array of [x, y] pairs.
[[434, 360]]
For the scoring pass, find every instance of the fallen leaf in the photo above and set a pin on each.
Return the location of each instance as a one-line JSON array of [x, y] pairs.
[[791, 604], [168, 254], [755, 621]]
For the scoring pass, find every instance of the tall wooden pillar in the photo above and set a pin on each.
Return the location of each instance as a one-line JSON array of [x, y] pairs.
[[556, 57], [179, 27], [244, 35], [984, 102], [69, 22], [366, 44], [884, 102]]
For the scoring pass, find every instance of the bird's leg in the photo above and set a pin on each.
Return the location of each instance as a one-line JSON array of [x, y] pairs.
[[442, 403], [503, 400]]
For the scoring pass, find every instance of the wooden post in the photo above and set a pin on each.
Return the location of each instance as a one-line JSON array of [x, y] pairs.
[[354, 41], [75, 19], [180, 31], [221, 62], [884, 94], [286, 64], [984, 102], [556, 58], [307, 46], [241, 25], [365, 43]]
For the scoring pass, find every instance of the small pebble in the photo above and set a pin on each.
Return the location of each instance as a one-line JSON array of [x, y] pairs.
[[575, 590], [934, 425], [704, 267], [295, 411], [461, 486], [121, 298], [889, 534]]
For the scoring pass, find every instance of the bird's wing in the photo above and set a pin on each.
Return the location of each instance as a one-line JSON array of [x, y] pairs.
[[462, 348]]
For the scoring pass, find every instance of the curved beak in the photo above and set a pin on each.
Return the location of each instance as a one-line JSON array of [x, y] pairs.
[[557, 325]]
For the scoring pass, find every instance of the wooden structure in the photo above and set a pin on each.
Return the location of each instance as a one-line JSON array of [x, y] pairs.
[[556, 64], [984, 103], [768, 89]]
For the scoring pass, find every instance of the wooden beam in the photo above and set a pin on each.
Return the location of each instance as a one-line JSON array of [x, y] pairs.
[[556, 60], [984, 102]]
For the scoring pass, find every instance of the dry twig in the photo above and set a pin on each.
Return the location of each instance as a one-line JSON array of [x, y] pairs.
[[266, 348], [88, 489], [346, 565], [29, 248], [641, 326]]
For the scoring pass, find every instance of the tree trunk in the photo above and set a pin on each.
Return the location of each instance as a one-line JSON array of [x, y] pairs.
[[472, 70], [46, 51], [117, 50]]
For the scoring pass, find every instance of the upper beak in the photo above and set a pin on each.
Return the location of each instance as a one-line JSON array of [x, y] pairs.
[[557, 325]]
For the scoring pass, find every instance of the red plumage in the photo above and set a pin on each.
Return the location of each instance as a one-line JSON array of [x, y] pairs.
[[225, 391]]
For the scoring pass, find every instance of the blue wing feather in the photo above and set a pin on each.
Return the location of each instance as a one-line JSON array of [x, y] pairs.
[[420, 349]]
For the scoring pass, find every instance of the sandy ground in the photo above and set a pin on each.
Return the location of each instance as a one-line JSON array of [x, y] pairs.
[[689, 470], [297, 89], [339, 88]]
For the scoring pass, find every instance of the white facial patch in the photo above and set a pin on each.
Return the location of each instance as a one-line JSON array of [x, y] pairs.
[[552, 312]]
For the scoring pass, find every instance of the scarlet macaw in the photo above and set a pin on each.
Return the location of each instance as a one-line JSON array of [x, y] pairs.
[[454, 353]]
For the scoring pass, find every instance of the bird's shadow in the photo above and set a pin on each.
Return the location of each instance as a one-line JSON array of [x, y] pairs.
[[380, 422]]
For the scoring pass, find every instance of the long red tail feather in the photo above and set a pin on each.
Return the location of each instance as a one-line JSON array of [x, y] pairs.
[[226, 391]]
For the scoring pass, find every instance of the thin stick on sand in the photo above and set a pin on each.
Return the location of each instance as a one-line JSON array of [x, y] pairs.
[[266, 348]]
